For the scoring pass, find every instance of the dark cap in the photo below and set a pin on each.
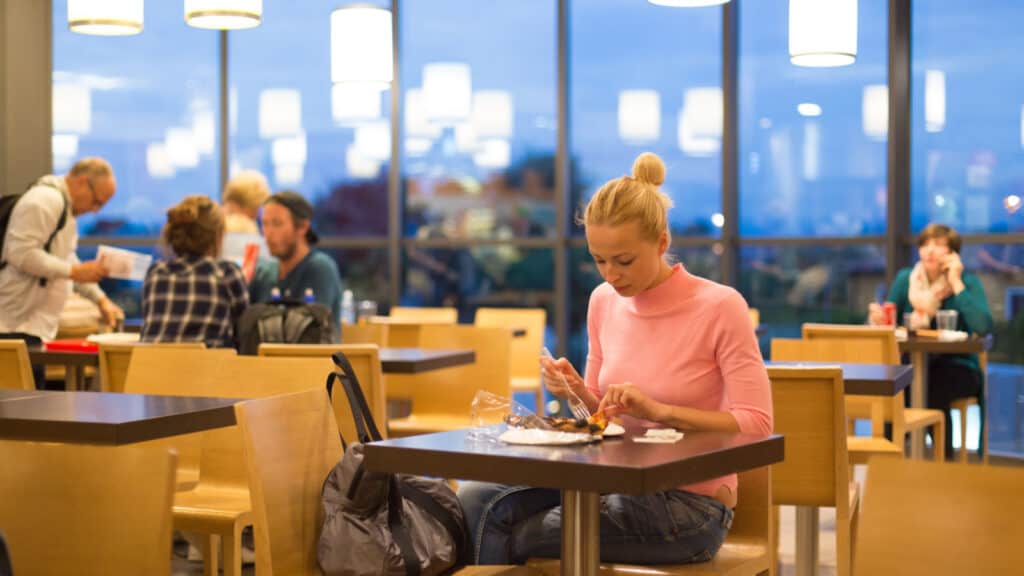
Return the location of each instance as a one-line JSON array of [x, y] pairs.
[[300, 208]]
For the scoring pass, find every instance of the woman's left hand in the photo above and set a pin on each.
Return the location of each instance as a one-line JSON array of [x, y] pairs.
[[628, 399]]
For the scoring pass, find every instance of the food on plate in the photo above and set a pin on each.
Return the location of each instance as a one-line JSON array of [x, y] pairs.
[[593, 425]]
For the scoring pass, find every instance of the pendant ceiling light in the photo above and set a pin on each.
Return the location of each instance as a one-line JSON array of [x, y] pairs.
[[361, 45], [223, 14], [822, 33], [105, 17], [688, 3]]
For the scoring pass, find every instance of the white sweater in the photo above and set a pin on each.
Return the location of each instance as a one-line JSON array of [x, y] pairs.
[[24, 305]]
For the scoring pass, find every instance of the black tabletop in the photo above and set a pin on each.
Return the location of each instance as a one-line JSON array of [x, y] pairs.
[[866, 379], [972, 345], [613, 465], [416, 360]]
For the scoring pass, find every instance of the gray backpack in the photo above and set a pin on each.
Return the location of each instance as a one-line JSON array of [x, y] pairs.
[[284, 322], [385, 524]]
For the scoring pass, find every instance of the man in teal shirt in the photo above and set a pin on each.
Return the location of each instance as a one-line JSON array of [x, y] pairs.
[[287, 227]]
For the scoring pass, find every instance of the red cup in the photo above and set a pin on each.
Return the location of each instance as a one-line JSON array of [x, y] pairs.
[[890, 313]]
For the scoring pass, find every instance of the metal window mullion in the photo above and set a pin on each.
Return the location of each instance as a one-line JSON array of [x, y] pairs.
[[563, 183], [395, 203], [899, 144], [730, 144]]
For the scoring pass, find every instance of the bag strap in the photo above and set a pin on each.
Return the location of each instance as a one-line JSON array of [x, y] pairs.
[[60, 226], [295, 324], [398, 530], [460, 536], [365, 424], [271, 327]]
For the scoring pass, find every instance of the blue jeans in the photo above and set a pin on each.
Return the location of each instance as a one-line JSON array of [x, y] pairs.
[[511, 524]]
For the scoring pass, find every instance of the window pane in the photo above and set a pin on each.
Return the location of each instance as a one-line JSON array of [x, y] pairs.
[[661, 95], [822, 175], [364, 271], [480, 118], [968, 115], [125, 293], [791, 285], [584, 277], [148, 104], [287, 123]]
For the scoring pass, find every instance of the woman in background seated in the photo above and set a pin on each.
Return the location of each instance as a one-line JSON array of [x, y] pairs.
[[194, 297], [938, 282], [667, 349]]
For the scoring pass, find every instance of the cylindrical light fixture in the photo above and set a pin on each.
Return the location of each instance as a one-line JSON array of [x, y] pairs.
[[822, 33], [448, 89], [934, 100], [639, 116], [105, 17], [72, 108], [875, 111], [280, 112], [361, 45], [223, 14], [354, 102], [688, 3], [492, 115]]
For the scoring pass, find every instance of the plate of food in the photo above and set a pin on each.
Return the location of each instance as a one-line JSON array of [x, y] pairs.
[[597, 425], [540, 437]]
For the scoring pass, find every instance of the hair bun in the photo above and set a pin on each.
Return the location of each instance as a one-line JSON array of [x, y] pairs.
[[649, 169], [183, 214]]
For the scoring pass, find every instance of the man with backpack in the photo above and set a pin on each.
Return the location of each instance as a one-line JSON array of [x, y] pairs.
[[38, 264]]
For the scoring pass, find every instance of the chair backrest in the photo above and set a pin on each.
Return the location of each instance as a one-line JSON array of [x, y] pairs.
[[525, 351], [77, 509], [441, 315], [365, 360], [937, 519], [753, 518], [15, 368], [451, 391], [291, 444], [115, 358], [809, 412], [872, 344], [755, 316], [365, 334]]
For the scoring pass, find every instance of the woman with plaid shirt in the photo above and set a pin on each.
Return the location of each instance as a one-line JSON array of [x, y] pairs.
[[195, 297]]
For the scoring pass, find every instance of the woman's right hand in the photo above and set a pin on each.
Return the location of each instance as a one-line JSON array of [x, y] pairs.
[[876, 315], [557, 374]]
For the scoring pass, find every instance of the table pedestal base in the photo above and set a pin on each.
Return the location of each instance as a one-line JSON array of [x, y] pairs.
[[581, 535]]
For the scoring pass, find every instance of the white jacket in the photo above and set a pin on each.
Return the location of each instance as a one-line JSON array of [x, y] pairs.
[[24, 305]]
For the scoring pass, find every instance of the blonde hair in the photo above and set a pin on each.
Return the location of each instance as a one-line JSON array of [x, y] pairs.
[[248, 189], [635, 198], [194, 227]]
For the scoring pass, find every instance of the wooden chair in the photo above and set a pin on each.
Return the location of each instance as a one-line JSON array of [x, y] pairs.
[[76, 509], [746, 550], [114, 360], [365, 334], [961, 405], [439, 315], [874, 344], [59, 373], [525, 352], [15, 367], [809, 411], [940, 519], [441, 399], [365, 360], [755, 316]]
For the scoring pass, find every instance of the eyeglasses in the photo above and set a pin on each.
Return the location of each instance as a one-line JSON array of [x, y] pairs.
[[96, 204]]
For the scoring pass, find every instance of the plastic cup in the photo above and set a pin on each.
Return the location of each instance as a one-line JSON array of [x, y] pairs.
[[366, 309], [908, 320], [946, 319]]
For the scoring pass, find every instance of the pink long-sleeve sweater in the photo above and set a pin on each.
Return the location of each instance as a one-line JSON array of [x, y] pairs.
[[687, 342]]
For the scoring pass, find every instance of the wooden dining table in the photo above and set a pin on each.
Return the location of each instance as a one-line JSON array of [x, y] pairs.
[[866, 379], [581, 472], [107, 418], [920, 349]]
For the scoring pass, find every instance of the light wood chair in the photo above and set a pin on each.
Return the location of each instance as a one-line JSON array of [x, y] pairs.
[[745, 552], [437, 315], [925, 518], [755, 316], [441, 400], [115, 357], [525, 352], [15, 367], [365, 333], [961, 405], [75, 509], [809, 412], [876, 345], [58, 372]]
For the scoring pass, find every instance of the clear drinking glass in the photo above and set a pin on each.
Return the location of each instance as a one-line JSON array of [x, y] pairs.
[[366, 309], [946, 319]]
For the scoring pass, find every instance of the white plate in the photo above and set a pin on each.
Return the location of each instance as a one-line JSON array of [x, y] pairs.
[[533, 436], [614, 429], [952, 335], [114, 337]]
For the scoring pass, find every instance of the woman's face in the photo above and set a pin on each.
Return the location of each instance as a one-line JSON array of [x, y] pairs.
[[933, 253], [626, 260]]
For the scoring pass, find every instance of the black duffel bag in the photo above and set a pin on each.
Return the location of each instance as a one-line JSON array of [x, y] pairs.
[[385, 524]]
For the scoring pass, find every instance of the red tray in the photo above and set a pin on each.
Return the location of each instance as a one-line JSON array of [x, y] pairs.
[[73, 345]]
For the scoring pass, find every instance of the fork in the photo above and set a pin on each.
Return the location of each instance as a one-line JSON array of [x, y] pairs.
[[576, 405]]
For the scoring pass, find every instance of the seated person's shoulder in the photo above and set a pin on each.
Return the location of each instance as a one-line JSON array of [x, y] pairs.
[[323, 262]]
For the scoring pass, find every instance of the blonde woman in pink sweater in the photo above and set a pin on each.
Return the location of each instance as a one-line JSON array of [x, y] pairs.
[[667, 349]]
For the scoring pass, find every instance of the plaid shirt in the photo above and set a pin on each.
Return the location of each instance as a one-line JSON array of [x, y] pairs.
[[197, 300]]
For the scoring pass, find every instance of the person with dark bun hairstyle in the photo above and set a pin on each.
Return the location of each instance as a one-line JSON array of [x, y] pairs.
[[194, 297], [667, 349]]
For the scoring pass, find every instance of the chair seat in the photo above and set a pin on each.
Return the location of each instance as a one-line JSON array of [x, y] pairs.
[[425, 424], [963, 403], [202, 507], [915, 418], [861, 448], [524, 384], [737, 557]]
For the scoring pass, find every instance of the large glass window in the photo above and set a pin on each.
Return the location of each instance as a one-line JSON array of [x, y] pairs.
[[662, 94], [812, 152], [479, 93], [289, 122], [147, 103]]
